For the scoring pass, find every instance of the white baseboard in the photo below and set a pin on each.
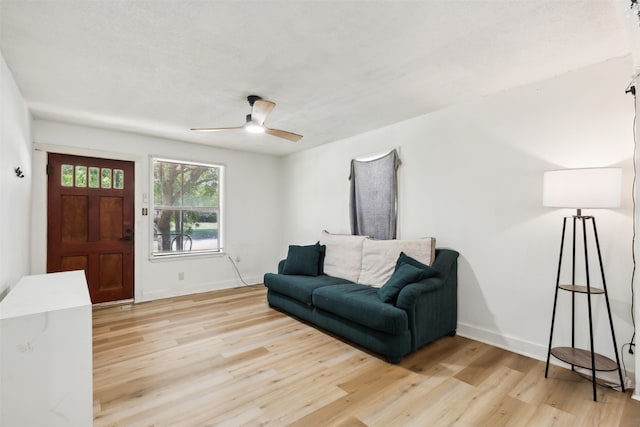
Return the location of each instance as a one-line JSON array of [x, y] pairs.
[[516, 345], [195, 289], [529, 349]]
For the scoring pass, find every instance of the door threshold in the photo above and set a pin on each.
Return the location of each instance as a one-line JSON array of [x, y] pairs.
[[110, 303]]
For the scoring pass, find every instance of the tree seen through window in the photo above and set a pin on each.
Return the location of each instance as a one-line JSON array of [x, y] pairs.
[[186, 199]]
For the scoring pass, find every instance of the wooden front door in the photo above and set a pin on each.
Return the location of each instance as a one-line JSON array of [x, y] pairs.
[[90, 223]]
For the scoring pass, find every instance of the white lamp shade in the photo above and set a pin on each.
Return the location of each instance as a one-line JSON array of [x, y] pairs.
[[588, 188]]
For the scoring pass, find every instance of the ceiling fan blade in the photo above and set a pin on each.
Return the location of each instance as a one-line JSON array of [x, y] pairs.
[[261, 110], [216, 129], [283, 134]]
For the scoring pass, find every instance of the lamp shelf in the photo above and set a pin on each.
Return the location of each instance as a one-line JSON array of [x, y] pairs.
[[581, 289], [582, 358]]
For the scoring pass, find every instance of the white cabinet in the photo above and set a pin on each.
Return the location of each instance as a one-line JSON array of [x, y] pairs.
[[46, 366]]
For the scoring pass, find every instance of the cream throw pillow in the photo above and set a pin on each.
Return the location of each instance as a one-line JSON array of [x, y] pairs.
[[343, 256], [379, 257]]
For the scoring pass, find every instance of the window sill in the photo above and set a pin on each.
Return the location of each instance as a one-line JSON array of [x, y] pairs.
[[187, 256]]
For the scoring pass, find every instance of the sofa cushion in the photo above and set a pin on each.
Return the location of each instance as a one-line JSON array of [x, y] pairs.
[[403, 275], [302, 260], [360, 304], [299, 288], [379, 257], [406, 259], [343, 255]]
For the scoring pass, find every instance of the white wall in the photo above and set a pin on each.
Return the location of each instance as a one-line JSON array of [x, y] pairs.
[[15, 208], [251, 209], [636, 392], [472, 177]]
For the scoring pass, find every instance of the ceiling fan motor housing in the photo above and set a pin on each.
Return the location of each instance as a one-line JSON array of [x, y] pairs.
[[252, 99]]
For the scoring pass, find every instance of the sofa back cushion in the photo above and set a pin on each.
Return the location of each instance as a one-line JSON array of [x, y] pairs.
[[343, 255], [379, 257]]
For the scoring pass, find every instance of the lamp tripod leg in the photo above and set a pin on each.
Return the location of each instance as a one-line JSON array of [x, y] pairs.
[[555, 299]]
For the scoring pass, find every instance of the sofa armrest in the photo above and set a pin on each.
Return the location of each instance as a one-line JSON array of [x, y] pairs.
[[432, 304], [281, 266], [446, 260], [446, 266], [410, 293]]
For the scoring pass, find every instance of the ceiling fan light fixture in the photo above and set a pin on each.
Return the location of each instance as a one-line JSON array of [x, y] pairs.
[[253, 127], [254, 123]]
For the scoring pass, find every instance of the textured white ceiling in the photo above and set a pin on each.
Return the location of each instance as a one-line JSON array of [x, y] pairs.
[[334, 68]]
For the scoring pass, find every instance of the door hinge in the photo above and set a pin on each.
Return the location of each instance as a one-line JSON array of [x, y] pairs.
[[48, 169]]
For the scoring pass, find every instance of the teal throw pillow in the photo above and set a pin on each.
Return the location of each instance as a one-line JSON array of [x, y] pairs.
[[403, 275], [302, 260], [406, 259]]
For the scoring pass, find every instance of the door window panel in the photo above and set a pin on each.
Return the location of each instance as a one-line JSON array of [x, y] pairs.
[[106, 178], [81, 176], [118, 179], [67, 175], [94, 177]]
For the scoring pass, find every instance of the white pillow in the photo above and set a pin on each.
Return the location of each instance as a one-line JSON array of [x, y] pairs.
[[343, 256], [379, 257]]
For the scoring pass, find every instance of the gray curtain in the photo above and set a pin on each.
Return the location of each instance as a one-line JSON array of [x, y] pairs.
[[374, 196]]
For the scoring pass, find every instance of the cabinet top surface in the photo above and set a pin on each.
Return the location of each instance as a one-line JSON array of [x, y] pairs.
[[46, 292]]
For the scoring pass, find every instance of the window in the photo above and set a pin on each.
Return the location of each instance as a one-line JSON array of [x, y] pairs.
[[186, 207], [67, 175]]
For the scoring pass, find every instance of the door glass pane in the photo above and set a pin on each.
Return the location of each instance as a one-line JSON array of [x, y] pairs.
[[81, 176], [94, 177], [106, 178], [118, 179], [67, 175]]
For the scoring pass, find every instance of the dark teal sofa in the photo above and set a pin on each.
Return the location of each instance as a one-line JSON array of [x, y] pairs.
[[424, 311]]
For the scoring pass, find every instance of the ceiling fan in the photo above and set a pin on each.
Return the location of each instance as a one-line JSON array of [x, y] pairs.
[[260, 109]]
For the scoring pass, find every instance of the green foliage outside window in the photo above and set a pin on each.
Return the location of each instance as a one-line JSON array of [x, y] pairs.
[[186, 200]]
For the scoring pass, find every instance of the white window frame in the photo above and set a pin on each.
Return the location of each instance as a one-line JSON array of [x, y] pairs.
[[155, 256]]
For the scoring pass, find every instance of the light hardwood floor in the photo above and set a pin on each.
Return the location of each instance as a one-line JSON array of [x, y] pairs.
[[226, 358]]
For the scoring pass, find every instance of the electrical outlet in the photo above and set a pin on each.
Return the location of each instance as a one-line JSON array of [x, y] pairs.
[[181, 275]]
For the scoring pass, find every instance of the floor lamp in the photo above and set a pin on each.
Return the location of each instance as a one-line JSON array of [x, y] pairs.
[[592, 188]]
